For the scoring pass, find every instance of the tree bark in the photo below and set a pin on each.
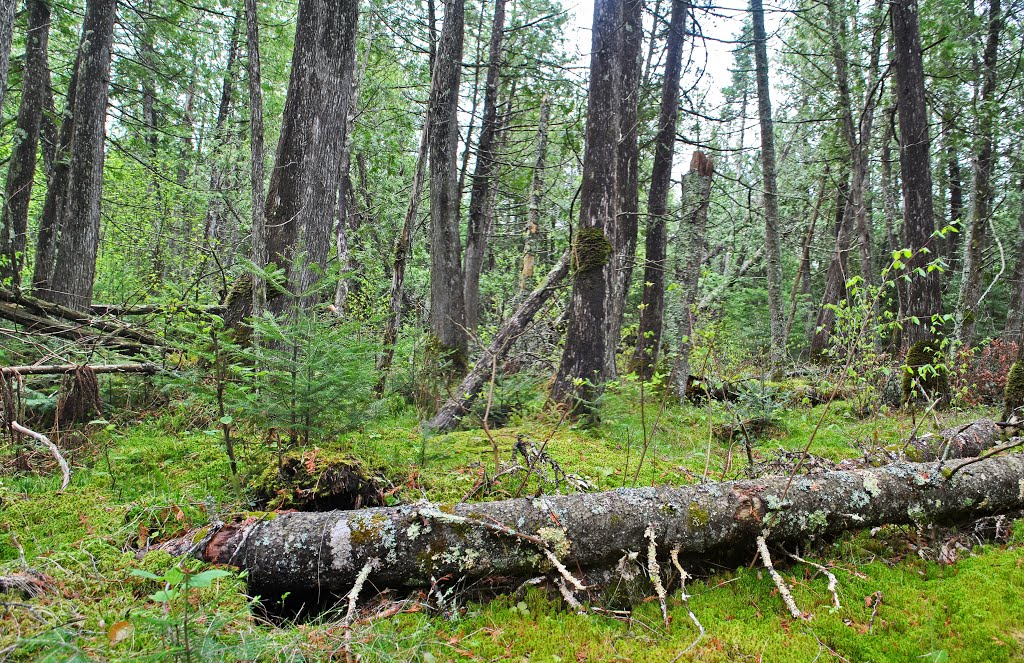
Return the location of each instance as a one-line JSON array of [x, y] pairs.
[[696, 199], [481, 212], [619, 270], [923, 297], [968, 300], [530, 247], [447, 301], [1014, 328], [652, 307], [773, 242], [583, 367], [803, 274], [22, 169], [78, 225], [303, 192], [8, 8], [406, 546], [254, 79], [469, 389]]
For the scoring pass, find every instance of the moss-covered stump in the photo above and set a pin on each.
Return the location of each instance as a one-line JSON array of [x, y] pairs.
[[1013, 396], [413, 545], [925, 374], [318, 481]]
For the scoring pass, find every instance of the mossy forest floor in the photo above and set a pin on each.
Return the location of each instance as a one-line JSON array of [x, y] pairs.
[[146, 478]]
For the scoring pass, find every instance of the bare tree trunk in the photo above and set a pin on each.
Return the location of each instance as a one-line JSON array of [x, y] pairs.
[[307, 554], [984, 164], [956, 195], [7, 10], [215, 207], [584, 365], [403, 249], [619, 271], [22, 169], [838, 273], [695, 201], [1014, 328], [923, 293], [536, 198], [652, 308], [78, 236], [260, 254], [447, 302], [773, 244], [481, 213], [803, 274], [469, 389]]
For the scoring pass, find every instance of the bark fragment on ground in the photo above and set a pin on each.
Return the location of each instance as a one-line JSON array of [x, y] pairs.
[[314, 553]]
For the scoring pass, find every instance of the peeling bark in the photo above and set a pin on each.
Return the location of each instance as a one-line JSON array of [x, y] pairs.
[[309, 553]]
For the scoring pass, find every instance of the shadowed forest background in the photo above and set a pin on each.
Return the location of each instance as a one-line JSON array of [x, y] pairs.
[[388, 269]]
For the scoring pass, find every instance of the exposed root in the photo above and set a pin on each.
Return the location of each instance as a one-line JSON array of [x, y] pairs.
[[563, 571], [353, 598], [45, 441], [683, 576], [654, 571], [832, 582], [780, 583]]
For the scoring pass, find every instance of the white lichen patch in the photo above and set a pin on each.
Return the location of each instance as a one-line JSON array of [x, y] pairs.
[[916, 513], [554, 537], [414, 531], [871, 486], [858, 499], [341, 545], [1020, 489]]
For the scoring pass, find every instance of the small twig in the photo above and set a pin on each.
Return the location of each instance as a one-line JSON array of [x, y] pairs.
[[780, 583], [875, 602], [978, 459], [568, 596], [683, 576], [832, 582], [45, 441]]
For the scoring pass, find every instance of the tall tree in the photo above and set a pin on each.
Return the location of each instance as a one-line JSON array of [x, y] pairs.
[[536, 194], [22, 169], [983, 167], [7, 11], [481, 212], [583, 366], [254, 79], [447, 301], [773, 242], [922, 294], [624, 231], [652, 308], [303, 191], [76, 241], [1014, 328]]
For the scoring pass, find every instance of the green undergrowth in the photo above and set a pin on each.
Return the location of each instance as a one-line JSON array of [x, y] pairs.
[[146, 481]]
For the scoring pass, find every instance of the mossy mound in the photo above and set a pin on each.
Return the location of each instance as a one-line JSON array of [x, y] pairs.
[[925, 371], [1013, 396], [591, 250], [315, 480]]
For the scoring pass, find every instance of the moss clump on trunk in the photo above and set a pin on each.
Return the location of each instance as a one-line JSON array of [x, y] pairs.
[[925, 371], [591, 250], [1013, 396]]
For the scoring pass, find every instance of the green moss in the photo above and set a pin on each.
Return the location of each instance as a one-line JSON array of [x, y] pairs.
[[367, 530], [925, 370], [698, 516], [591, 250]]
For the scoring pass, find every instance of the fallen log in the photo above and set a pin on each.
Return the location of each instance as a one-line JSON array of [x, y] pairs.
[[407, 546], [964, 441], [119, 310], [469, 389], [47, 309], [37, 325], [60, 369]]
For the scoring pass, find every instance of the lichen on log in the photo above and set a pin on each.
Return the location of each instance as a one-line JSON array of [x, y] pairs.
[[322, 553]]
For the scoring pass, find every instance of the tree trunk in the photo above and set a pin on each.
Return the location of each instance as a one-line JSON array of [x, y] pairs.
[[530, 247], [803, 274], [923, 293], [403, 249], [303, 192], [22, 169], [652, 308], [469, 389], [623, 235], [695, 200], [956, 195], [773, 242], [583, 366], [307, 554], [1014, 328], [8, 8], [481, 212], [78, 225], [447, 301], [260, 253], [968, 301], [837, 275]]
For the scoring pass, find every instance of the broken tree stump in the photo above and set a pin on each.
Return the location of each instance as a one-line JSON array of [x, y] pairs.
[[408, 546]]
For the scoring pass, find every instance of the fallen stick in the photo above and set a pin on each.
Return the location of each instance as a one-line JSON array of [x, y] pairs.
[[307, 553], [45, 441], [60, 369]]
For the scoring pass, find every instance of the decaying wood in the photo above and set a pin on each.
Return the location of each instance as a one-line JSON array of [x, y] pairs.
[[959, 442], [46, 326], [120, 310], [307, 553], [51, 447], [60, 369], [469, 389]]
